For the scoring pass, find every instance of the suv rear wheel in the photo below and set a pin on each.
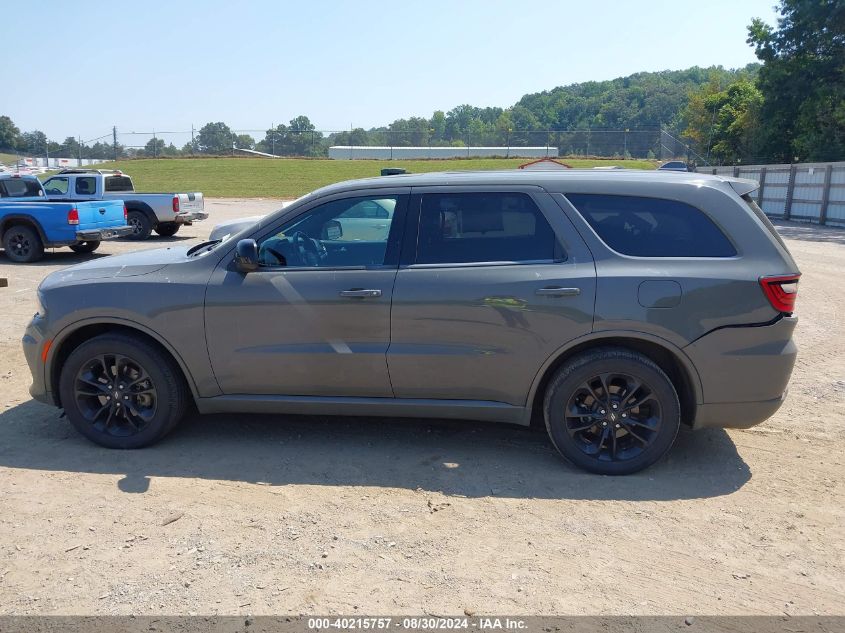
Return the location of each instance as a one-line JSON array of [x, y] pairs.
[[612, 411], [122, 392]]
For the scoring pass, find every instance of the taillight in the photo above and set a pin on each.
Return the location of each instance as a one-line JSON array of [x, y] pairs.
[[781, 291], [73, 216], [125, 213], [175, 204]]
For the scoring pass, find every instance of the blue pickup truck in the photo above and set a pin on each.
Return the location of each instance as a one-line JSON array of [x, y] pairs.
[[29, 222]]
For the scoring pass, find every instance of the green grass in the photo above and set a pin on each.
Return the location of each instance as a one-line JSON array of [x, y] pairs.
[[8, 159], [291, 178]]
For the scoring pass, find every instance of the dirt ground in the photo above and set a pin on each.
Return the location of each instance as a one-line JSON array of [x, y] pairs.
[[279, 515]]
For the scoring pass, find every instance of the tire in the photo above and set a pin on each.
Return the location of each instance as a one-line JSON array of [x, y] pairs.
[[167, 229], [85, 247], [133, 412], [590, 420], [23, 244], [141, 225]]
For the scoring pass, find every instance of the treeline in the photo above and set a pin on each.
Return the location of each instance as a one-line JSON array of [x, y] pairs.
[[789, 108]]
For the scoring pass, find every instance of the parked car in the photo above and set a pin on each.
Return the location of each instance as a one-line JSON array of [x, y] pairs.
[[615, 305], [29, 222], [163, 213], [674, 165], [21, 186]]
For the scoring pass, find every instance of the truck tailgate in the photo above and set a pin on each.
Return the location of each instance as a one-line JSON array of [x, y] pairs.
[[191, 201], [100, 214]]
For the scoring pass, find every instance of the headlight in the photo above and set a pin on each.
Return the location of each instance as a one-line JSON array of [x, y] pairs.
[[39, 301]]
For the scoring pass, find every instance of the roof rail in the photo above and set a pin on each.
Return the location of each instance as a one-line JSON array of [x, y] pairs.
[[80, 170]]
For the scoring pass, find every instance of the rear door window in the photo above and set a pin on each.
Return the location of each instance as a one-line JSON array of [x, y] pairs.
[[86, 186], [652, 227], [459, 228]]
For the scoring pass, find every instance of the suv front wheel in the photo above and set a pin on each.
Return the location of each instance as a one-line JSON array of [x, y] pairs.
[[612, 411], [122, 392]]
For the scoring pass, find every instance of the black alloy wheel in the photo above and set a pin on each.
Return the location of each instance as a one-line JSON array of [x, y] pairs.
[[612, 411], [115, 395]]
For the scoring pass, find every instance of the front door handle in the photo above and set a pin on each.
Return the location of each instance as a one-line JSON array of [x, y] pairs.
[[356, 292], [557, 291]]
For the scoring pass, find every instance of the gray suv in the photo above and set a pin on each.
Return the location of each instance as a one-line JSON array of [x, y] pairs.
[[614, 305]]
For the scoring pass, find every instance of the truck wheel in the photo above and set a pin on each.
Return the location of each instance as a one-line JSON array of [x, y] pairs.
[[122, 392], [612, 411], [85, 247], [167, 229], [22, 244], [141, 225]]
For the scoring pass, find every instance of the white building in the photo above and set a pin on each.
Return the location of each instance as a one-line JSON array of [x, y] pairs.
[[351, 152]]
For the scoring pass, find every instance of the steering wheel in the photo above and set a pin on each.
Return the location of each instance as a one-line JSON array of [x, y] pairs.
[[310, 251]]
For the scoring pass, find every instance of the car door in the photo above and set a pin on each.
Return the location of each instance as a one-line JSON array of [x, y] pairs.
[[492, 282], [314, 319]]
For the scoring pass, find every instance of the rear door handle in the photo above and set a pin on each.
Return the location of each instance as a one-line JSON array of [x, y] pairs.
[[557, 291], [360, 293]]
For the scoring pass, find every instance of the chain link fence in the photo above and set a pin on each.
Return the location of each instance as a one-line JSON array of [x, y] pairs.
[[122, 143]]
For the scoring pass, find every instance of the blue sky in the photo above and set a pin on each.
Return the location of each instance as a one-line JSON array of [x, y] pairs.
[[166, 65]]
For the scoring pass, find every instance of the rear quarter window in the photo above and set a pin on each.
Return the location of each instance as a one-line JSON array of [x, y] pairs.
[[652, 227], [118, 183]]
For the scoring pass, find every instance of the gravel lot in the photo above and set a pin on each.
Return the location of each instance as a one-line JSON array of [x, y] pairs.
[[276, 515]]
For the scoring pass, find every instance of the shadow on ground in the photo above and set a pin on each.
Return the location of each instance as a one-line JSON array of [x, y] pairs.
[[471, 459], [810, 232]]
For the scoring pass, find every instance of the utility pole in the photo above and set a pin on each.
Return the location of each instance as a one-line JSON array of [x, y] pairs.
[[80, 151], [114, 140], [273, 138], [155, 145], [192, 139]]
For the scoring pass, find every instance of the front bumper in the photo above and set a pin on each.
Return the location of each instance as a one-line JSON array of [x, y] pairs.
[[744, 373], [98, 235], [187, 217], [33, 350]]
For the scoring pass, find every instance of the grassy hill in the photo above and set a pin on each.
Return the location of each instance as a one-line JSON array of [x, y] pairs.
[[290, 178]]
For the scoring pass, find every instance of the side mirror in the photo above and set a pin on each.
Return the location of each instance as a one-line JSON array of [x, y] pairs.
[[246, 256], [332, 230]]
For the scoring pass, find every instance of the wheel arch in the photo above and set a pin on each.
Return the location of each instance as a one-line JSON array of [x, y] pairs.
[[143, 207], [26, 220], [76, 334], [670, 358]]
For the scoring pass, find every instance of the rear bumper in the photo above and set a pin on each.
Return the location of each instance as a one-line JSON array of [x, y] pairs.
[[735, 415], [186, 217], [98, 235], [744, 373]]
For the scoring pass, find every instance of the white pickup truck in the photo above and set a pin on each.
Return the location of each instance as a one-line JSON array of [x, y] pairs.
[[163, 213]]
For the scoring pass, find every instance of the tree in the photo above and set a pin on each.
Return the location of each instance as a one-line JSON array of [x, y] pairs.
[[803, 80], [244, 141], [70, 148], [215, 138], [34, 143], [154, 147], [9, 133], [729, 120]]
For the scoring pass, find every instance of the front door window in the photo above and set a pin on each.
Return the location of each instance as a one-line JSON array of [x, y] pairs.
[[347, 232]]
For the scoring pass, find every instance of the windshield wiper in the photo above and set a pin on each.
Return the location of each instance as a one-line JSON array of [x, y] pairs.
[[203, 245]]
